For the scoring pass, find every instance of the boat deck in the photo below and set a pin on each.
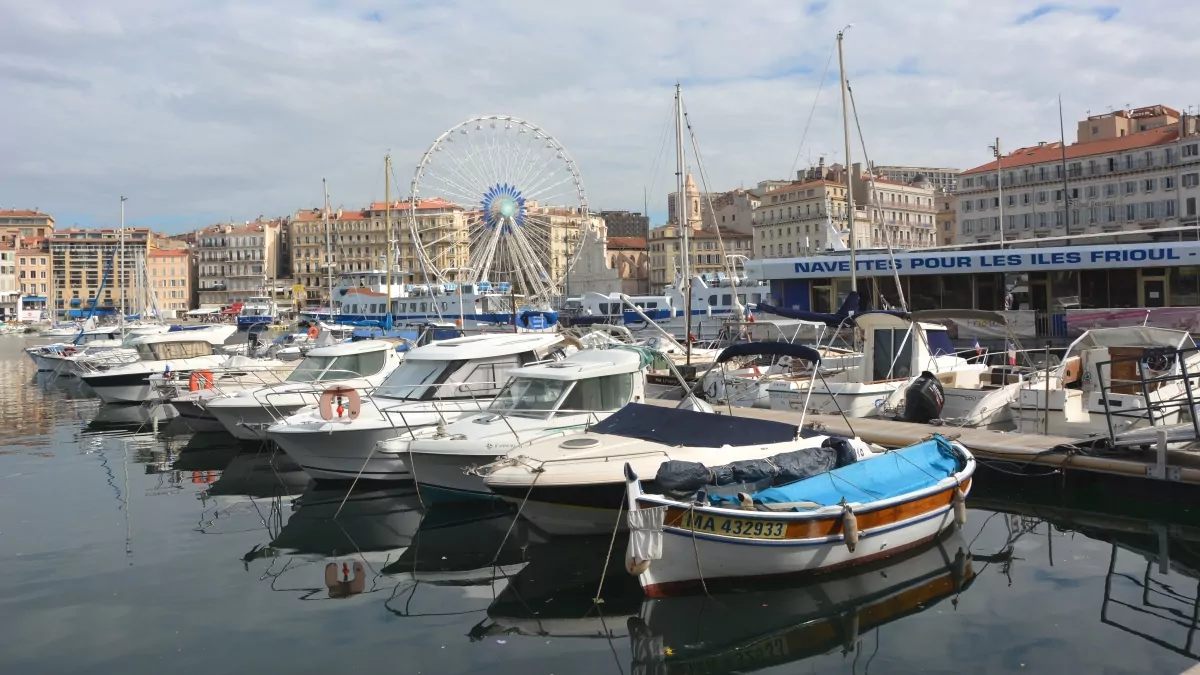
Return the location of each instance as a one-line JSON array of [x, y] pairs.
[[1017, 450]]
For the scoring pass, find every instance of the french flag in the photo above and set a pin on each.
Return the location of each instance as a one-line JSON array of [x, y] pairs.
[[1012, 353], [978, 349]]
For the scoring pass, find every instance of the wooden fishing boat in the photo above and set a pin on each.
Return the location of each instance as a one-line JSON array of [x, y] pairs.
[[861, 512]]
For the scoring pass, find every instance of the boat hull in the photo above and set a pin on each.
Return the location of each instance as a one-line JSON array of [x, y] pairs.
[[344, 455], [250, 422], [570, 509], [120, 388], [445, 475]]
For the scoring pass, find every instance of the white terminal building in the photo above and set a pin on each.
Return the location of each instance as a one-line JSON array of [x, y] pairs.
[[1101, 232]]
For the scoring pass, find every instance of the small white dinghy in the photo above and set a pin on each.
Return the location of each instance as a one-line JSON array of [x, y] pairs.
[[862, 511]]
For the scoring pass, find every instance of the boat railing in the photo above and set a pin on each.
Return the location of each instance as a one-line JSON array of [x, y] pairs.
[[1157, 369]]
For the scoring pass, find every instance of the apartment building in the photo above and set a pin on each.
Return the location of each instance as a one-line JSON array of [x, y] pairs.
[[170, 274], [24, 223], [939, 178], [236, 262], [733, 210], [33, 276], [801, 218], [706, 254], [81, 259], [9, 293], [1127, 172], [358, 240], [626, 224]]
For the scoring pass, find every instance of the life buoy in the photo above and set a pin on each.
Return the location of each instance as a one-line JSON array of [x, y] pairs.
[[340, 403], [313, 332], [201, 379]]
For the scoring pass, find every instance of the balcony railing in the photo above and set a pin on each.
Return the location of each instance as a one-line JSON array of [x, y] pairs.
[[1118, 168]]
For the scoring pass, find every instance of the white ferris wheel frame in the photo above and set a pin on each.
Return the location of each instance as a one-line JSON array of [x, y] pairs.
[[547, 287]]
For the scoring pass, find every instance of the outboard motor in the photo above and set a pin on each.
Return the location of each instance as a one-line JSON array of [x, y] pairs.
[[924, 398]]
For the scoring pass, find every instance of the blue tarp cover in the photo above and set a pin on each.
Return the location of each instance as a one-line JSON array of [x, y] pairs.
[[678, 427], [897, 473]]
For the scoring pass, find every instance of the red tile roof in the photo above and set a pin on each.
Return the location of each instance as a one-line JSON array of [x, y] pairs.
[[23, 212], [626, 242], [167, 252], [1052, 152]]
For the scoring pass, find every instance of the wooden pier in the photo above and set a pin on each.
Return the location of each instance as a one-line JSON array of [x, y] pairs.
[[1017, 451]]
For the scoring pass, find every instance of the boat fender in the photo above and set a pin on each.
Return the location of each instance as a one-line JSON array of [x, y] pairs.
[[635, 566], [746, 502], [959, 501], [849, 527], [313, 332], [341, 403]]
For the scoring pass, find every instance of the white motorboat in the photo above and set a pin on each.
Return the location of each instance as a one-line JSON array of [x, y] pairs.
[[860, 512], [552, 399], [180, 352], [190, 396], [1097, 389], [977, 395], [575, 485], [895, 350], [359, 365], [98, 348], [438, 384]]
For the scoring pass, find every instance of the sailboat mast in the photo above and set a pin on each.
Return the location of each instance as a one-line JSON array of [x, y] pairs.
[[387, 225], [328, 250], [681, 216], [849, 178], [121, 264]]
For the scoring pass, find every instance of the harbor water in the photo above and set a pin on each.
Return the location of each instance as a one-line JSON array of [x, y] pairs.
[[131, 544]]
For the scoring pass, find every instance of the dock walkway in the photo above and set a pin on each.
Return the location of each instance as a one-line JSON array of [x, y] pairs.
[[999, 447]]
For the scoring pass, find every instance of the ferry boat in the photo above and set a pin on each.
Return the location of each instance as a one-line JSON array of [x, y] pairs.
[[363, 298], [259, 309], [711, 307]]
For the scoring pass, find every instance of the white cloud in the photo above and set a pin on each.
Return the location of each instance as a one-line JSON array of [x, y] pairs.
[[210, 110]]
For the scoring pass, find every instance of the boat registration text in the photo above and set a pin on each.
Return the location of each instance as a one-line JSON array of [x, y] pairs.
[[734, 527]]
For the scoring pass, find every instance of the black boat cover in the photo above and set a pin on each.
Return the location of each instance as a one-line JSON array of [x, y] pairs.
[[770, 349], [688, 428]]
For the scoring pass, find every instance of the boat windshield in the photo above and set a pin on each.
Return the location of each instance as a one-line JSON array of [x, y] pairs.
[[347, 366], [414, 380], [541, 398], [530, 397]]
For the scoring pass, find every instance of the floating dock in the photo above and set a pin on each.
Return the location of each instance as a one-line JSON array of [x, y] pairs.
[[1018, 451]]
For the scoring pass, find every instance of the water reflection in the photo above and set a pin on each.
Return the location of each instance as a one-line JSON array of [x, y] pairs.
[[1142, 594]]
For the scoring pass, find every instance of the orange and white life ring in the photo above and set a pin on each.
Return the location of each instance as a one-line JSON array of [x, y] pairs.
[[340, 403], [313, 332], [201, 379]]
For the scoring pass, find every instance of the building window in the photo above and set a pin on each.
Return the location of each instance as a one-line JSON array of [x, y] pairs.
[[1110, 189], [1191, 180], [1130, 187], [1148, 185], [1168, 182]]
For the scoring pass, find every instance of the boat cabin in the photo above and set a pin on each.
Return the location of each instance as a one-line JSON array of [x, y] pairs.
[[343, 361], [470, 367], [587, 381]]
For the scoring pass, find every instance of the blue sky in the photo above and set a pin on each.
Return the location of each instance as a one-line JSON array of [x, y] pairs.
[[206, 111]]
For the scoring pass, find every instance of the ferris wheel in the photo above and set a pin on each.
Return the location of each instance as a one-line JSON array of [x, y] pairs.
[[519, 207]]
